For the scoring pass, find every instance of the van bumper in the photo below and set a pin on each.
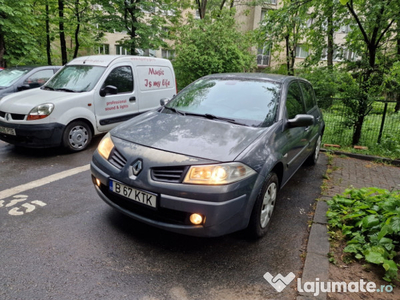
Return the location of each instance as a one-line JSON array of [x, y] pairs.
[[32, 135]]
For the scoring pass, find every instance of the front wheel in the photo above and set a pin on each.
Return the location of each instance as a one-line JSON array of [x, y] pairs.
[[77, 136], [264, 207]]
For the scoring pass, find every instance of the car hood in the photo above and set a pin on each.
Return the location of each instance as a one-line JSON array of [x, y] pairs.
[[188, 135], [23, 102]]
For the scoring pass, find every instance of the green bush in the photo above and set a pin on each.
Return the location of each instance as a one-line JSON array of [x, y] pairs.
[[370, 220]]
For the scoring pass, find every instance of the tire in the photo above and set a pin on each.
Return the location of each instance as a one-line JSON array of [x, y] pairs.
[[264, 207], [313, 158], [77, 136]]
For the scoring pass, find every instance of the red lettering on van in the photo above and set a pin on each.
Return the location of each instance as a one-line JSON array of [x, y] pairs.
[[159, 72]]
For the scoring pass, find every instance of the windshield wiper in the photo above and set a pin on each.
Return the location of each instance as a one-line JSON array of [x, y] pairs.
[[175, 110], [66, 90], [213, 117], [47, 88]]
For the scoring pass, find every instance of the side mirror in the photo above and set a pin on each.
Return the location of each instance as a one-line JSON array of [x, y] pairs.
[[109, 89], [164, 101], [301, 121], [23, 87]]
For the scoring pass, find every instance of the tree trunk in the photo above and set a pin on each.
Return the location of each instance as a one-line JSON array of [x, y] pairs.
[[330, 33], [358, 130], [77, 28], [2, 50], [64, 57], [48, 41]]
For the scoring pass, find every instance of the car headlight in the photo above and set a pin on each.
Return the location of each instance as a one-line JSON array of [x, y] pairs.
[[218, 174], [105, 147], [40, 112]]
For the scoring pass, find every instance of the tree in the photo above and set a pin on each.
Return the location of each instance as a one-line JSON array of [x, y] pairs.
[[17, 25], [209, 46], [287, 23], [145, 22], [373, 21]]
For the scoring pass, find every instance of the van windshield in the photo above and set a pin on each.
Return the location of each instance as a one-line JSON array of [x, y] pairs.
[[75, 79]]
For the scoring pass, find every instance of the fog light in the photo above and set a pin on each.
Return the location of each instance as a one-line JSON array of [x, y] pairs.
[[196, 219], [98, 182]]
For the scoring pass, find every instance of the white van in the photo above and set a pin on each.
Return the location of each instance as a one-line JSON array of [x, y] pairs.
[[90, 95]]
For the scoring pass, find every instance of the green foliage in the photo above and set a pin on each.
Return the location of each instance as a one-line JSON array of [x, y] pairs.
[[370, 220], [209, 46]]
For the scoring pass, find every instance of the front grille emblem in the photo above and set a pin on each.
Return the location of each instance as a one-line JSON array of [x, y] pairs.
[[8, 117], [137, 167]]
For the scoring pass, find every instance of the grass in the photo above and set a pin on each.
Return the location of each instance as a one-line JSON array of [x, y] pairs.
[[338, 130]]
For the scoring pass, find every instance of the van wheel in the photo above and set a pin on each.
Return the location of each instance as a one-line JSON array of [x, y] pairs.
[[77, 136], [264, 207]]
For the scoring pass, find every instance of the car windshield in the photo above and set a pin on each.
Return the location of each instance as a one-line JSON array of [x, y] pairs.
[[9, 76], [247, 101], [75, 79]]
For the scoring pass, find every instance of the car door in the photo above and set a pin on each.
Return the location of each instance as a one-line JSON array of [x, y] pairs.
[[311, 109], [112, 109], [297, 137]]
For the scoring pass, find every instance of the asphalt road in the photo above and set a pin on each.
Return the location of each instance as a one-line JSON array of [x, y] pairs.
[[58, 240]]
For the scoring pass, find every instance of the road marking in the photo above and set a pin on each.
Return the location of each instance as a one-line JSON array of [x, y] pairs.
[[40, 182]]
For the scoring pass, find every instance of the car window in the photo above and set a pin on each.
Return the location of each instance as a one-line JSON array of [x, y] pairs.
[[121, 78], [9, 76], [309, 95], [249, 101], [294, 101], [39, 78]]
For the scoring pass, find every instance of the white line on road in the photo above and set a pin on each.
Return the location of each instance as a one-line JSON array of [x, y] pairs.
[[37, 183]]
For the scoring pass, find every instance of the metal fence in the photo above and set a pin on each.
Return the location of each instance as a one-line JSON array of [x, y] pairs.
[[381, 127]]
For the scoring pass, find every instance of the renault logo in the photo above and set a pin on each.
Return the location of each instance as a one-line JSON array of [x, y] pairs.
[[8, 117], [137, 167]]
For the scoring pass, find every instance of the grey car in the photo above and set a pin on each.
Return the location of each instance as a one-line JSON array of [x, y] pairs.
[[212, 160], [24, 78]]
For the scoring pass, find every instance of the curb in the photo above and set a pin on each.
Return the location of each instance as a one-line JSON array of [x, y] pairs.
[[395, 162]]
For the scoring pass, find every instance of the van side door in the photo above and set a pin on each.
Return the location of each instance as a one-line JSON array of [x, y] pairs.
[[115, 102]]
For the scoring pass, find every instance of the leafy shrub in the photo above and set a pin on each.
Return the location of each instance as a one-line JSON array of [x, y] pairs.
[[370, 220]]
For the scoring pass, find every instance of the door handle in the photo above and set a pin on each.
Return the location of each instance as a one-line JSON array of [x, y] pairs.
[[132, 99]]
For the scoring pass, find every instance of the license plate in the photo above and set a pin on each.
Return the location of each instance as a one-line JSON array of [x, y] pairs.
[[133, 194], [10, 131]]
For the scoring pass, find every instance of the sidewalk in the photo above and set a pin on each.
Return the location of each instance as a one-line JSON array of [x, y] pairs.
[[346, 172]]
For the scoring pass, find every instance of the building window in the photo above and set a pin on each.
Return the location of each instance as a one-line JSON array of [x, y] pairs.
[[104, 49], [345, 29], [301, 52], [270, 1], [264, 55], [169, 54], [120, 50]]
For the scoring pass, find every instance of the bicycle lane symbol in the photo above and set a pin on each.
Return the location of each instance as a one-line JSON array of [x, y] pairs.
[[15, 206]]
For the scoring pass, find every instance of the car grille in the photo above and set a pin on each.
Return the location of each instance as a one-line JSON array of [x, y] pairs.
[[13, 116], [169, 174], [117, 159]]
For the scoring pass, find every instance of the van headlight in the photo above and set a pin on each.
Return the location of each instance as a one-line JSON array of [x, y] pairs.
[[105, 147], [218, 174], [40, 112]]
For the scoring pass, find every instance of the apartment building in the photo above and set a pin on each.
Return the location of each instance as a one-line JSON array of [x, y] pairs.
[[248, 18]]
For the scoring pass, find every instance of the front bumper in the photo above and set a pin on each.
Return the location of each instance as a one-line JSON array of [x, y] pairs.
[[228, 214], [34, 135]]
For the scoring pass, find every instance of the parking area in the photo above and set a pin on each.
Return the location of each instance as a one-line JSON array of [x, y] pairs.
[[59, 240]]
